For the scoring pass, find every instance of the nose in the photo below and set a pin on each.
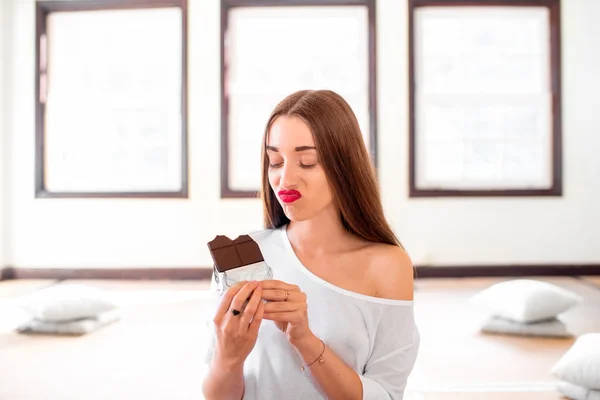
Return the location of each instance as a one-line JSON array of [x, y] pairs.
[[289, 177]]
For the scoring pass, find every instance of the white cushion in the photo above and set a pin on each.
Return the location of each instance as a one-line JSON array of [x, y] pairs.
[[74, 327], [525, 300], [66, 302], [575, 392], [551, 328], [580, 365]]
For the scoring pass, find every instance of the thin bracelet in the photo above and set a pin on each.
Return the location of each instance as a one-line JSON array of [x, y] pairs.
[[319, 359]]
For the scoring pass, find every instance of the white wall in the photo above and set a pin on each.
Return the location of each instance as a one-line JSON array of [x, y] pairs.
[[3, 133], [500, 231], [162, 233], [127, 233], [5, 114]]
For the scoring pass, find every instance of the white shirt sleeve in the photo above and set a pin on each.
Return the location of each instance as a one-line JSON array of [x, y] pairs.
[[394, 354]]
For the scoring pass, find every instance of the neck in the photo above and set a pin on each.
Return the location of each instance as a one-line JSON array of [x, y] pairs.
[[322, 234]]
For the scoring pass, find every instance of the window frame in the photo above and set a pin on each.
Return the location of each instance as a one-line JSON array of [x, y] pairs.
[[226, 6], [43, 10], [555, 84]]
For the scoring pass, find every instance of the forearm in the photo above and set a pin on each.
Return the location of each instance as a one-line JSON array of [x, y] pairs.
[[335, 378], [223, 381]]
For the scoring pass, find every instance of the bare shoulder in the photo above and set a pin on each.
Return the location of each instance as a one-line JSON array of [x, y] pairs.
[[391, 271]]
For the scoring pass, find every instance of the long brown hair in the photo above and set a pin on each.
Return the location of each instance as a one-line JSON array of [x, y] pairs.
[[345, 160]]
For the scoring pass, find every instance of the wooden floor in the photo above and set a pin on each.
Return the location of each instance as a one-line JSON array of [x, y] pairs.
[[155, 351], [456, 361]]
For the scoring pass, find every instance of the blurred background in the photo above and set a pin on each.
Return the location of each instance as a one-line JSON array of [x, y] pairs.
[[130, 136]]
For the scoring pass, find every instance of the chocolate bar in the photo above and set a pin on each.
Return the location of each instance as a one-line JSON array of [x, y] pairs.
[[229, 254]]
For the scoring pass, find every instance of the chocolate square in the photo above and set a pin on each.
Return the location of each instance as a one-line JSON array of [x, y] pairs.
[[228, 254]]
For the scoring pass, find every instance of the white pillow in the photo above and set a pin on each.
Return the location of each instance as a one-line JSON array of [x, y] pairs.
[[74, 327], [551, 328], [575, 392], [525, 300], [66, 302], [580, 365]]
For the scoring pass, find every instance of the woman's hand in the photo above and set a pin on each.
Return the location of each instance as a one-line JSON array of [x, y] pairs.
[[287, 308], [236, 334]]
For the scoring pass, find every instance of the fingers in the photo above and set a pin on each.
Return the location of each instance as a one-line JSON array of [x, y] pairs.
[[275, 284], [242, 295], [258, 317], [285, 311], [283, 295], [283, 306], [250, 309], [293, 317], [226, 300]]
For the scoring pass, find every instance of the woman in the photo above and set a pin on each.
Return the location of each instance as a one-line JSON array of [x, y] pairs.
[[337, 317]]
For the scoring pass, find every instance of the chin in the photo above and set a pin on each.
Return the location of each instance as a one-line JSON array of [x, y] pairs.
[[295, 214]]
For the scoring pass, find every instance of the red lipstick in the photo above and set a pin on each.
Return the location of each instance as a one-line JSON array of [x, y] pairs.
[[289, 196]]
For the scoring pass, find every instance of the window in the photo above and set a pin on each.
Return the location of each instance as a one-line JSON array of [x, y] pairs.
[[268, 53], [485, 98], [111, 99]]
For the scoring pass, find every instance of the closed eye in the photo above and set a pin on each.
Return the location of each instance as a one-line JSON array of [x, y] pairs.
[[304, 166], [307, 166]]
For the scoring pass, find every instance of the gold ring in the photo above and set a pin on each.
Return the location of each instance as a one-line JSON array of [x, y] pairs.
[[287, 294]]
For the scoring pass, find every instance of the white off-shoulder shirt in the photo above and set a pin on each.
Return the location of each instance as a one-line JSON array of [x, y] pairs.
[[376, 337]]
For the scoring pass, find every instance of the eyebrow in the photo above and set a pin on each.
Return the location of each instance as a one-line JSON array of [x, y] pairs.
[[299, 148]]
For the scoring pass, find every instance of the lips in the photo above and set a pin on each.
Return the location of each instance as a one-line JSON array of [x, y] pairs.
[[289, 196]]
